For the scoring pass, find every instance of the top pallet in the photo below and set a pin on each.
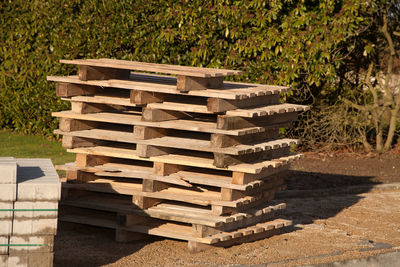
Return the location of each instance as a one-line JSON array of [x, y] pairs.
[[189, 78], [153, 67]]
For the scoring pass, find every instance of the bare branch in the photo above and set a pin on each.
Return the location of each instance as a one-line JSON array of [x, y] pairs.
[[356, 106]]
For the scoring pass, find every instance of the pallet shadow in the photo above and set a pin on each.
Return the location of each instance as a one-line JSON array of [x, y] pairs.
[[87, 222], [313, 195], [84, 245]]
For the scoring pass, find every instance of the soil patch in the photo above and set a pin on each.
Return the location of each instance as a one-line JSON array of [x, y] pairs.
[[321, 171]]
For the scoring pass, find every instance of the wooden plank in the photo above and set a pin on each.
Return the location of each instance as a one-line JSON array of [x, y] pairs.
[[267, 110], [240, 178], [158, 115], [162, 85], [178, 67], [70, 89], [87, 72], [142, 97], [189, 83], [198, 197], [86, 160], [86, 108], [190, 212], [144, 133], [208, 179], [173, 174], [68, 125], [222, 105], [184, 160], [225, 122], [222, 141], [133, 119], [102, 99], [229, 194], [203, 198], [224, 160], [152, 67], [69, 141], [165, 169], [123, 171], [265, 165], [180, 107], [174, 142], [153, 185], [146, 151]]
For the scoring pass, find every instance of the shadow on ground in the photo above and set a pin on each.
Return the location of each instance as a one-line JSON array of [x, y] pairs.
[[83, 245], [309, 194]]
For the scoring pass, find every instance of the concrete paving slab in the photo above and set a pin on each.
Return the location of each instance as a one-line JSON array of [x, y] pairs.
[[37, 180], [31, 226], [8, 172], [3, 260], [6, 210], [6, 227], [35, 209], [44, 259], [31, 244], [3, 247], [8, 192]]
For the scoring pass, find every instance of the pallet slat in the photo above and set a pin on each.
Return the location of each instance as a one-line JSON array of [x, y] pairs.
[[222, 93], [183, 160], [152, 67], [134, 119], [178, 142]]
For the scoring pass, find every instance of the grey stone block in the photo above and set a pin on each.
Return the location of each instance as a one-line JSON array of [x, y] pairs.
[[31, 244], [6, 210], [37, 180], [3, 249], [5, 227], [8, 192], [35, 209], [8, 172], [32, 226], [44, 259], [3, 260]]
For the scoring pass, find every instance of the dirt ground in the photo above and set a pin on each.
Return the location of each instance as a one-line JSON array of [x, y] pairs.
[[328, 224]]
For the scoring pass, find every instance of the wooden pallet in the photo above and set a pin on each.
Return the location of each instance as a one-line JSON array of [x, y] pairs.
[[185, 155], [149, 183], [197, 226]]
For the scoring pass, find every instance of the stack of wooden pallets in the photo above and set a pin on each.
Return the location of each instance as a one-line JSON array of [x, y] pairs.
[[29, 194], [185, 155]]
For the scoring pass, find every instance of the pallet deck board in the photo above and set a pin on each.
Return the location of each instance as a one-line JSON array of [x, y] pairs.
[[182, 159], [226, 92], [135, 119], [153, 67], [183, 178], [176, 231], [102, 99], [266, 110], [180, 107], [178, 142]]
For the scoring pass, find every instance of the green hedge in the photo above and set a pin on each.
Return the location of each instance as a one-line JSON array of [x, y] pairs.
[[288, 42]]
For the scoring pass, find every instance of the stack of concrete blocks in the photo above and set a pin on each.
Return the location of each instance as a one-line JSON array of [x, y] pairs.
[[29, 193]]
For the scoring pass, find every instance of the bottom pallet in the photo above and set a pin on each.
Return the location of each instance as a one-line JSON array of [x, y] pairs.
[[133, 228]]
